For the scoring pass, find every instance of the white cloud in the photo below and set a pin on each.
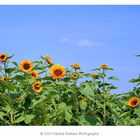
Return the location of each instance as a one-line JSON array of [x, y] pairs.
[[67, 40], [82, 42], [88, 43]]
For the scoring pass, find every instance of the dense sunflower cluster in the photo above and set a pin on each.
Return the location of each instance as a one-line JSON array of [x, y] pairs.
[[51, 94]]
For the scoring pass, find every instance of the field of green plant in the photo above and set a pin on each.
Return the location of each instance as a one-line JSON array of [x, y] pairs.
[[42, 93]]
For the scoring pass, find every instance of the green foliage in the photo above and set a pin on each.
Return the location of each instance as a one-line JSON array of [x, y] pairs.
[[64, 101]]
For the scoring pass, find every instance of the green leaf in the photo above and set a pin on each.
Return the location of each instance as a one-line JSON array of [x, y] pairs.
[[109, 69], [37, 101], [9, 70], [15, 63], [68, 116], [88, 92], [2, 114], [10, 56], [29, 118], [87, 120], [83, 105], [19, 119], [96, 69], [137, 111], [138, 55], [134, 80], [30, 80], [113, 78]]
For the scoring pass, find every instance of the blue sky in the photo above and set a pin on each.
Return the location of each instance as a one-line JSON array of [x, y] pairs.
[[88, 35]]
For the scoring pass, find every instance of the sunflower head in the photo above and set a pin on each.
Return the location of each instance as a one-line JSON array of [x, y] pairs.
[[133, 102], [48, 59], [3, 57], [57, 71], [83, 100], [76, 66], [5, 79], [74, 76], [37, 86], [18, 98], [35, 74], [26, 66], [94, 75], [104, 66]]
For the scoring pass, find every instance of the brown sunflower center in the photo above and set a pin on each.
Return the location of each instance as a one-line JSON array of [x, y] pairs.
[[5, 79], [33, 74], [134, 102], [58, 73], [2, 56], [37, 86], [26, 66]]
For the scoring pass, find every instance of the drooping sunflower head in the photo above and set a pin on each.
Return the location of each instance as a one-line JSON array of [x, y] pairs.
[[5, 79], [74, 76], [48, 59], [37, 86], [94, 75], [3, 57], [26, 66], [57, 71], [35, 74], [76, 66], [104, 66], [133, 102]]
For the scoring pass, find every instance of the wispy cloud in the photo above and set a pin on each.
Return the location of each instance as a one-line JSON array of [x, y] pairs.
[[82, 42], [67, 40]]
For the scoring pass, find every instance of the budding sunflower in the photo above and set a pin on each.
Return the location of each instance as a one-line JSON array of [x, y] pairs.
[[94, 75], [74, 76], [5, 79], [48, 59], [35, 74], [76, 66], [104, 66]]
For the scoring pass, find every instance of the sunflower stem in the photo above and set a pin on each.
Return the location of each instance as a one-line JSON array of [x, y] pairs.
[[104, 91], [75, 98]]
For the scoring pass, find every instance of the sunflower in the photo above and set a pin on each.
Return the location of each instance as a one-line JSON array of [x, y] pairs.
[[83, 100], [94, 75], [26, 66], [74, 76], [104, 66], [76, 66], [36, 86], [48, 59], [5, 79], [133, 102], [3, 57], [57, 71], [18, 98], [35, 74]]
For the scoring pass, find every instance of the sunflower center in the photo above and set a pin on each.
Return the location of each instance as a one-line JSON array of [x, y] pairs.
[[37, 86], [2, 57], [58, 73], [5, 79], [134, 102], [26, 66], [33, 74]]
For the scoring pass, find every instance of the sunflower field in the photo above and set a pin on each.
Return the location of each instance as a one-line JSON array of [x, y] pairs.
[[42, 93]]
